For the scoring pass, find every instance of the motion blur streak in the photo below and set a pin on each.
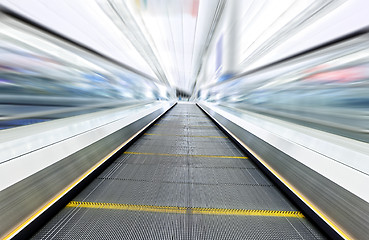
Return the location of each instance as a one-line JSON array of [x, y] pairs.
[[191, 47], [327, 89], [288, 80], [44, 77]]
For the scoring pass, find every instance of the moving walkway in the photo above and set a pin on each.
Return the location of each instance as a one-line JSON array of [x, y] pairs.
[[182, 179]]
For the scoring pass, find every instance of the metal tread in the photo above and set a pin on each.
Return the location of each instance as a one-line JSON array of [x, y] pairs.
[[169, 194]]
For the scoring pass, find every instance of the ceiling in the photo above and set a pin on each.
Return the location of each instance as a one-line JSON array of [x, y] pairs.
[[164, 39], [175, 41]]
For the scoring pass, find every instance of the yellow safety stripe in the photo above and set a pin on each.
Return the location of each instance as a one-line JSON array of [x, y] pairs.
[[194, 126], [174, 135], [183, 210], [189, 115]]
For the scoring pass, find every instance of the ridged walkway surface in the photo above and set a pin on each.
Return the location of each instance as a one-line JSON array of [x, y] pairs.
[[183, 179]]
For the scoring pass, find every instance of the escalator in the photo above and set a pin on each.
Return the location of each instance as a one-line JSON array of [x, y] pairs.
[[183, 179]]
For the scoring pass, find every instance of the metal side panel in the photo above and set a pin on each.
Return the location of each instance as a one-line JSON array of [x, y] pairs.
[[24, 201], [341, 213]]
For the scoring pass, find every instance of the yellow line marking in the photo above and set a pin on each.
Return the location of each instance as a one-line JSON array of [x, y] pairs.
[[12, 233], [179, 126], [184, 210], [285, 182], [174, 135], [200, 126], [185, 115], [184, 155]]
